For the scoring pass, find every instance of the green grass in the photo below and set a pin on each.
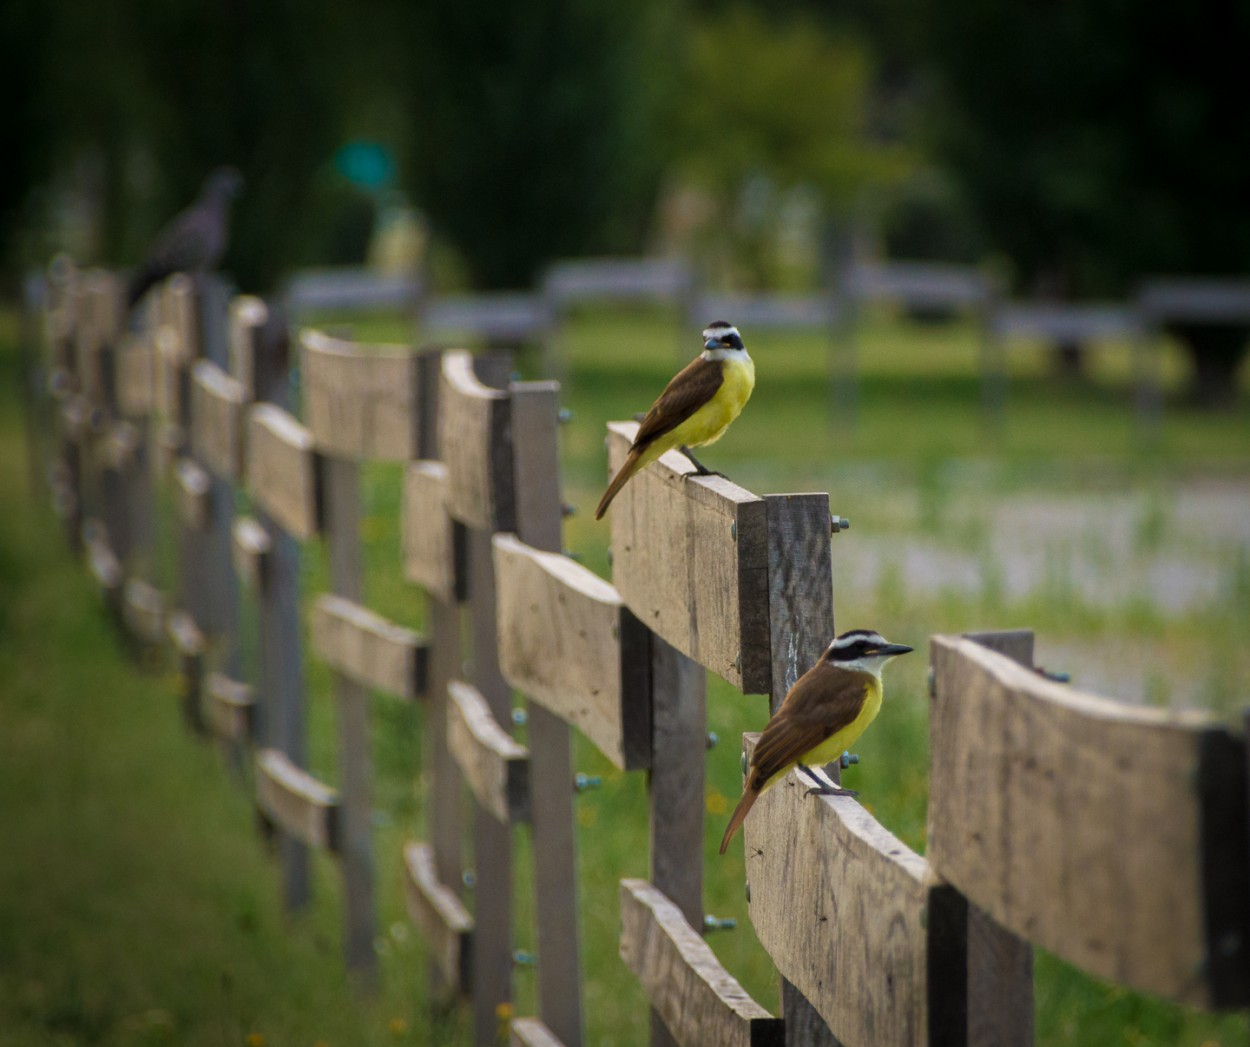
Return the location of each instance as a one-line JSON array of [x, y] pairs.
[[136, 902]]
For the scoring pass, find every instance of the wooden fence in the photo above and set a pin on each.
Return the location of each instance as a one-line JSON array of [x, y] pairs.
[[1117, 837]]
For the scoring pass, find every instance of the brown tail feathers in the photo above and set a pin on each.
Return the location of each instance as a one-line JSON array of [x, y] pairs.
[[740, 812], [627, 470]]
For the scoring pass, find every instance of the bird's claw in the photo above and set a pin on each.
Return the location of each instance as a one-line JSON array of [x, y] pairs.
[[830, 790]]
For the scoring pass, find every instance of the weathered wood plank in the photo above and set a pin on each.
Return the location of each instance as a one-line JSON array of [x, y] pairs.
[[229, 708], [283, 470], [431, 558], [295, 801], [699, 1001], [135, 376], [248, 317], [531, 1032], [840, 903], [192, 484], [250, 546], [1090, 827], [567, 642], [494, 765], [475, 443], [360, 402], [217, 403], [143, 611], [445, 924], [367, 648], [690, 559]]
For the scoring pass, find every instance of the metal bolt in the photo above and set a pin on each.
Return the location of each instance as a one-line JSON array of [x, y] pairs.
[[847, 759], [520, 717], [1057, 677], [713, 923], [610, 557], [575, 557], [748, 892], [839, 523], [733, 530], [564, 415], [738, 661], [585, 782], [712, 739], [521, 958], [469, 878], [745, 763], [568, 509]]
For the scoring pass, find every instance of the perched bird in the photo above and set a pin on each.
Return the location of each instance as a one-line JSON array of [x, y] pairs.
[[825, 711], [195, 240], [695, 408]]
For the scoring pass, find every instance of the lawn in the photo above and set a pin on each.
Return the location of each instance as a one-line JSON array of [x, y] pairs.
[[137, 906]]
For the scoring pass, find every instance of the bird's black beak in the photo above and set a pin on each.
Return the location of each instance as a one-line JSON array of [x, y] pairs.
[[892, 649]]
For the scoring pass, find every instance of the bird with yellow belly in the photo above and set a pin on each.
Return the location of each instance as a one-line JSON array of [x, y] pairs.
[[695, 408]]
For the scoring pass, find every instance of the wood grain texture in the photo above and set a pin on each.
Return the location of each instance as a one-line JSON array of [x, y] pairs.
[[839, 903], [690, 559], [217, 404], [135, 376], [567, 642], [283, 470], [191, 484], [1077, 822], [698, 1000], [250, 546], [295, 801], [360, 401], [143, 611], [430, 558], [229, 708], [475, 443], [495, 767], [445, 924], [531, 1032], [367, 648]]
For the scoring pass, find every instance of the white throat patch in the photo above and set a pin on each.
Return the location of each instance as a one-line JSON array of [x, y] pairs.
[[719, 354]]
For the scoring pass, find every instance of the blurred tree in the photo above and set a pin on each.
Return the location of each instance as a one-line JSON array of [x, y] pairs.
[[538, 127], [1102, 141], [133, 102], [780, 103]]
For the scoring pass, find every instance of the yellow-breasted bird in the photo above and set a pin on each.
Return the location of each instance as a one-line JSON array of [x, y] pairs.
[[823, 714], [695, 408]]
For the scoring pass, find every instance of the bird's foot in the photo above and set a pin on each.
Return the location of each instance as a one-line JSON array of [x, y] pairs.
[[699, 468], [822, 787]]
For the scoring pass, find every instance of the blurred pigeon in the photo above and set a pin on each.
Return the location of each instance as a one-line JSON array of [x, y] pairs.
[[195, 240]]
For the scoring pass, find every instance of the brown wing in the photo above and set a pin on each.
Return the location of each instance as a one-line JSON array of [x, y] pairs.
[[822, 701], [692, 387]]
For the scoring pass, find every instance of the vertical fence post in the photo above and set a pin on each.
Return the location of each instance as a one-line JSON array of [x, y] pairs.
[[675, 787], [996, 966], [535, 421], [800, 619], [492, 839], [342, 524], [445, 820], [282, 670]]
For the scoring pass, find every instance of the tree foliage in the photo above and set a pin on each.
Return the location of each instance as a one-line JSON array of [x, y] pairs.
[[537, 127]]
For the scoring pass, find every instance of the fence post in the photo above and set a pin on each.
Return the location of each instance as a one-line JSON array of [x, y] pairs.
[[282, 670], [535, 421], [446, 819], [342, 523], [675, 787], [987, 969], [801, 626]]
